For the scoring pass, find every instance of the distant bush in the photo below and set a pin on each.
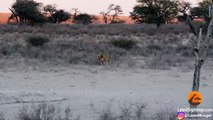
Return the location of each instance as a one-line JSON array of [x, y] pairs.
[[113, 29], [125, 44], [37, 40], [2, 117]]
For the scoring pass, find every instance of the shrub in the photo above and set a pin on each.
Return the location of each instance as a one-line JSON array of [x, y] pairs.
[[165, 61], [84, 19], [155, 47], [2, 116], [127, 112], [37, 40], [38, 112], [165, 115], [11, 49], [107, 114], [60, 16], [44, 111], [125, 44]]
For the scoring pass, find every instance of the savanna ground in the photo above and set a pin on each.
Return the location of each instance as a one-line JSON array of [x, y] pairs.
[[149, 79]]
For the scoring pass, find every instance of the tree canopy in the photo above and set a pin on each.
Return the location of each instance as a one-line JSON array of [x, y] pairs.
[[202, 11], [27, 11], [60, 16], [84, 18], [50, 9], [154, 11]]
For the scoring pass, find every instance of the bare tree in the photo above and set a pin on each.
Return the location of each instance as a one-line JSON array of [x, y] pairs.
[[183, 7], [50, 9], [110, 16], [107, 14], [117, 11], [74, 12]]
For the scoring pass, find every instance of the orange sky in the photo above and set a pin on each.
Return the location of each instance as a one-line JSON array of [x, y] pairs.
[[4, 19], [88, 6]]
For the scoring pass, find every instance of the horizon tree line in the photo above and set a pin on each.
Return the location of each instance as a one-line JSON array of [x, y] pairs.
[[146, 11]]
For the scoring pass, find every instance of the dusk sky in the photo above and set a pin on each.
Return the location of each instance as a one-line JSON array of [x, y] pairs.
[[85, 6]]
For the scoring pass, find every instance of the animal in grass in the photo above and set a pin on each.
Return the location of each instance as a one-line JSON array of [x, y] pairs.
[[103, 59]]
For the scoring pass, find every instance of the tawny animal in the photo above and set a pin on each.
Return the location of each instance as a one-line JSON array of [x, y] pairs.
[[103, 59]]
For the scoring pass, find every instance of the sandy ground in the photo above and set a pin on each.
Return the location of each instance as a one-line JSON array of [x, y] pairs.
[[88, 89]]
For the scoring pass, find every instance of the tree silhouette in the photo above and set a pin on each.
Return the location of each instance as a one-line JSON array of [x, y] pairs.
[[75, 12], [154, 11], [202, 11], [112, 13], [27, 11], [84, 19], [54, 15], [60, 16], [50, 9], [183, 7]]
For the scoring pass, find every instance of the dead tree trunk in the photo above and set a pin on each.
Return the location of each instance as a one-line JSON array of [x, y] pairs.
[[200, 50], [198, 63]]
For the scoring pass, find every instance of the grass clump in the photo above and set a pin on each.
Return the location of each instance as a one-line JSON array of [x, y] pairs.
[[165, 115], [2, 117], [37, 40], [107, 114], [127, 112], [123, 43], [38, 112], [44, 112]]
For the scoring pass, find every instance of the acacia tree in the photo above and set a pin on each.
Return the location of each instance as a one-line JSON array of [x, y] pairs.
[[202, 11], [50, 9], [183, 7], [84, 19], [27, 11], [75, 12], [54, 15], [154, 11], [60, 16], [112, 13]]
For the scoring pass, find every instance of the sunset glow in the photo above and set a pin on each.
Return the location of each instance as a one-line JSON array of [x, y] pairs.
[[85, 6]]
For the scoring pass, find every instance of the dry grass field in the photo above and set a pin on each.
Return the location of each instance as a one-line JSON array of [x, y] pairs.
[[52, 72], [165, 47]]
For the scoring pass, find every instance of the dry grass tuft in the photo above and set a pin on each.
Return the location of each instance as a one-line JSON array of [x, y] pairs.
[[2, 117], [127, 112], [44, 112], [166, 115]]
